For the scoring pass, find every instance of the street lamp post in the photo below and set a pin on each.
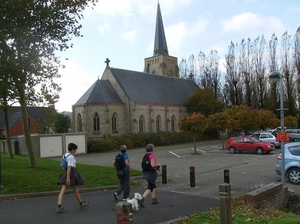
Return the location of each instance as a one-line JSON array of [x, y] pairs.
[[277, 77]]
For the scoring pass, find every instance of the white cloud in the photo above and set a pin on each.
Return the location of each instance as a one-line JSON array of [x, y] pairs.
[[175, 35], [115, 7], [129, 36], [72, 78], [105, 28], [250, 24]]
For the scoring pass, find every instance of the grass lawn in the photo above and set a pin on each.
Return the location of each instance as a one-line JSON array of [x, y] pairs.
[[19, 178], [243, 214]]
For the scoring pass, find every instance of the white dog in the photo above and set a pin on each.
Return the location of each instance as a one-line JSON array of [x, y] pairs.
[[134, 201]]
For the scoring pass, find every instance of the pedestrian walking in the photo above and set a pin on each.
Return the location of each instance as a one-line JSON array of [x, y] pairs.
[[121, 162], [150, 174], [71, 177]]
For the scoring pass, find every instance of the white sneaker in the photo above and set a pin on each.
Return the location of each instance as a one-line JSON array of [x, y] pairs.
[[116, 196]]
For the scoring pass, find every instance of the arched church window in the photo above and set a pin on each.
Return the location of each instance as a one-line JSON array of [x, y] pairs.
[[158, 123], [96, 122], [114, 122], [173, 122], [141, 124], [79, 123]]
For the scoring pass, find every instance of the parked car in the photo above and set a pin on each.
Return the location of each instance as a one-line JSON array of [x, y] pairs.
[[292, 162], [238, 133], [267, 137], [249, 144]]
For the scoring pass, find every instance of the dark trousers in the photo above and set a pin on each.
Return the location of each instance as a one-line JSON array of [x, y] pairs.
[[124, 183]]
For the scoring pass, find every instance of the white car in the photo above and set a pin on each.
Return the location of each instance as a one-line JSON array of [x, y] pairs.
[[267, 137]]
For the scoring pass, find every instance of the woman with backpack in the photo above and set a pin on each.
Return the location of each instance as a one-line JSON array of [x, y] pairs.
[[150, 174], [71, 177], [121, 162]]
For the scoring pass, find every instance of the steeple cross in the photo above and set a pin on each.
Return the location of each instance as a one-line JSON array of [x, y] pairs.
[[107, 62]]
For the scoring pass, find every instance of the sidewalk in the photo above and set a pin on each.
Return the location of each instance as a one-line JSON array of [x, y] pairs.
[[42, 210]]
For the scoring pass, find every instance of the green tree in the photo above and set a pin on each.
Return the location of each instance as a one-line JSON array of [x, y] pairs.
[[193, 123], [62, 123], [203, 101], [30, 34]]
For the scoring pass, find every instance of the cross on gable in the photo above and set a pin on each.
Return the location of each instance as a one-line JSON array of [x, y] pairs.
[[107, 62]]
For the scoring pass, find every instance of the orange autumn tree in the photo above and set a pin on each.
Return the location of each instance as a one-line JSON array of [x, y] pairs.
[[267, 119], [243, 118], [221, 122], [290, 121], [193, 123]]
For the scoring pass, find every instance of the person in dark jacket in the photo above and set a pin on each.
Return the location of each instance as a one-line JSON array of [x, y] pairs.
[[123, 175]]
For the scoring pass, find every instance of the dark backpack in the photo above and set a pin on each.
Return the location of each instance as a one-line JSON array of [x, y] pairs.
[[146, 164], [63, 162], [120, 161]]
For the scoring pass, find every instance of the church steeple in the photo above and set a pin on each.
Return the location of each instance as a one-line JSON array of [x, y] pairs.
[[161, 63], [160, 43]]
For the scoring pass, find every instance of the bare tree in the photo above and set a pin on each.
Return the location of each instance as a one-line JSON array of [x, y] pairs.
[[273, 102], [297, 64], [183, 69], [259, 70], [245, 68], [288, 73], [191, 67], [232, 76], [209, 74]]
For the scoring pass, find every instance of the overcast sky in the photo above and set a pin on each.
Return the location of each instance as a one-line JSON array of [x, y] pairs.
[[123, 31]]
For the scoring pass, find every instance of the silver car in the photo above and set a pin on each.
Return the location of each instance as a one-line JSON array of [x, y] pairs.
[[267, 137], [292, 162]]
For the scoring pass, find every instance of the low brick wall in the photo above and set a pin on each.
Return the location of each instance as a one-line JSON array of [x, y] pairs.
[[269, 196]]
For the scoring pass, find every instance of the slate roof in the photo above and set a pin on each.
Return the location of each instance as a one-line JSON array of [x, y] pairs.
[[100, 92], [150, 88], [140, 87], [15, 114]]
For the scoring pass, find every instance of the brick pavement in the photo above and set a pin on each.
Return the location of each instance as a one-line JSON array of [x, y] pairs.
[[247, 171]]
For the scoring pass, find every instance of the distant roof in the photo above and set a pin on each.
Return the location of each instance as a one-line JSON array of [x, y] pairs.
[[14, 114]]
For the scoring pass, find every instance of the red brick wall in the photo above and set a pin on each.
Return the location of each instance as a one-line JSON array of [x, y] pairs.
[[17, 128], [269, 196]]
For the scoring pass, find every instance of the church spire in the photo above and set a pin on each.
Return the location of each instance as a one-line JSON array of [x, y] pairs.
[[160, 43]]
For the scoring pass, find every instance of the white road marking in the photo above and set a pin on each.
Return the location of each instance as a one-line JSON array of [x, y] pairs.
[[174, 154]]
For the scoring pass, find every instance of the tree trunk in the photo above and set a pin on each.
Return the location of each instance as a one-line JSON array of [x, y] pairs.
[[8, 140], [195, 143], [26, 130]]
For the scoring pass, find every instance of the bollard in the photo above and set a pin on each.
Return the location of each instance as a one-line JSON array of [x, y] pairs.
[[164, 174], [124, 212], [192, 176], [225, 203], [226, 176]]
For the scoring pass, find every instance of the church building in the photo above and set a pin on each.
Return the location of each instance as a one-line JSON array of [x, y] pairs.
[[125, 101]]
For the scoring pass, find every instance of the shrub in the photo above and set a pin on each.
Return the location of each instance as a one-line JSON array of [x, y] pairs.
[[141, 140]]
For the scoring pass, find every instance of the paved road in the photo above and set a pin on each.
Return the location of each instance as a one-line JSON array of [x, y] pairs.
[[248, 171], [177, 198]]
